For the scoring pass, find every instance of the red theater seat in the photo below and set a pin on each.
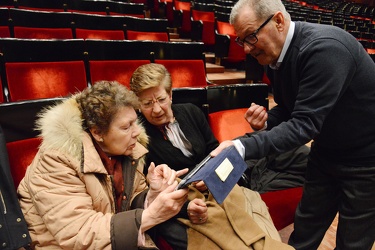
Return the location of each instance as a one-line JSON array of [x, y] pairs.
[[203, 24], [103, 27], [42, 33], [100, 34], [116, 60], [229, 124], [282, 205], [225, 47], [114, 70], [147, 35], [21, 153], [186, 73], [27, 81], [39, 68], [182, 16], [34, 24]]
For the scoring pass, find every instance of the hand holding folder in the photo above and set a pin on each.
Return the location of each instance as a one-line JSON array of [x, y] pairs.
[[219, 173]]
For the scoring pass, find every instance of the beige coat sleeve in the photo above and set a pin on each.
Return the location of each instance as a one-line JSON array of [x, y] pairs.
[[60, 201]]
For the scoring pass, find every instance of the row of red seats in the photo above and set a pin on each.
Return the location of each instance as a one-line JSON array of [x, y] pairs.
[[34, 69], [58, 25], [36, 24], [106, 7]]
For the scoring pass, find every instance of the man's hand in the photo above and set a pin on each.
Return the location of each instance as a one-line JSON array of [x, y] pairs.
[[256, 116], [220, 148]]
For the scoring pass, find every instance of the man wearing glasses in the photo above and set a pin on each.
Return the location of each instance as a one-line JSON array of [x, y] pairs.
[[324, 86]]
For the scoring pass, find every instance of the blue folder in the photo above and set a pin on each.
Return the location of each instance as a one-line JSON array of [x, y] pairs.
[[219, 173]]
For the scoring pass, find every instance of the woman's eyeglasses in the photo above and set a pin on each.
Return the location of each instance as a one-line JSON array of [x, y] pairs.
[[149, 104], [252, 38]]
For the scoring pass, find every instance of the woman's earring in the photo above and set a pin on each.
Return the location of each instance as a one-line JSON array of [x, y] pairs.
[[101, 139]]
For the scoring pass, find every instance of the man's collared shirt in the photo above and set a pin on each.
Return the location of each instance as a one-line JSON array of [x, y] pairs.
[[288, 40]]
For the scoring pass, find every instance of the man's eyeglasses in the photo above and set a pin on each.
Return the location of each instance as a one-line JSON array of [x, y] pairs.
[[149, 104], [252, 38]]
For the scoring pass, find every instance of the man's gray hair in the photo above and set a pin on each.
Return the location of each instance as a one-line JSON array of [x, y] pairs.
[[262, 8]]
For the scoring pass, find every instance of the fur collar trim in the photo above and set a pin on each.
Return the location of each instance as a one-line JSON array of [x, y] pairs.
[[60, 127]]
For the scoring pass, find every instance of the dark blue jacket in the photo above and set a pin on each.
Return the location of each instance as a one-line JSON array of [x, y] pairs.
[[325, 91]]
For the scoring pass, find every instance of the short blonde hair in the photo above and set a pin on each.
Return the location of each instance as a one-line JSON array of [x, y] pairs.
[[149, 76], [101, 102]]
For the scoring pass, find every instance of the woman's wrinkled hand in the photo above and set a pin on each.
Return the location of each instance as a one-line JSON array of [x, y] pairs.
[[162, 176], [197, 211], [166, 205], [200, 185]]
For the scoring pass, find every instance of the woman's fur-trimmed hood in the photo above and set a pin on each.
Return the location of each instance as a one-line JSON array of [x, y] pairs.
[[61, 128]]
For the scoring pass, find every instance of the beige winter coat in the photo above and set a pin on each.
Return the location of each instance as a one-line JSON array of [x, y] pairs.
[[66, 194], [242, 222]]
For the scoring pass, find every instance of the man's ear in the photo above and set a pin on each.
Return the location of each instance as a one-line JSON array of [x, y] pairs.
[[280, 20], [95, 132]]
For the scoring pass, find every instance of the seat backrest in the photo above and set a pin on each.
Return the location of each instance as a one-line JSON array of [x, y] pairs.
[[207, 18], [91, 26], [88, 7], [126, 8], [7, 3], [234, 96], [229, 3], [17, 119], [4, 22], [37, 24], [146, 24], [119, 50], [116, 60], [182, 15], [38, 69], [196, 96], [223, 8], [107, 7], [186, 73], [20, 154], [225, 28], [229, 124], [51, 5], [182, 5], [185, 62], [147, 29], [179, 50], [235, 53], [99, 34], [1, 92], [147, 35], [114, 70], [282, 205]]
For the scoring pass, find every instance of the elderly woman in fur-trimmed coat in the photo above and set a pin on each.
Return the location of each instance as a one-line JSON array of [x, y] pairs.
[[85, 188]]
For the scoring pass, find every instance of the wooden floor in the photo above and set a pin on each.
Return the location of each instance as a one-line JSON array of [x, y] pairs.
[[328, 242]]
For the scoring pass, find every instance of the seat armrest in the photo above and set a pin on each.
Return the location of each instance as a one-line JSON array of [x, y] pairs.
[[196, 30], [221, 47]]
